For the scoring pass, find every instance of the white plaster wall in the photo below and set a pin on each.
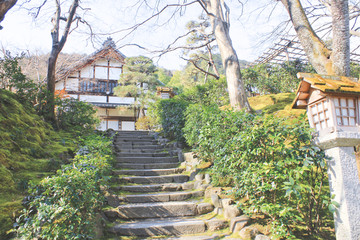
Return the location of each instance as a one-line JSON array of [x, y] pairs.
[[87, 72], [59, 85], [114, 124], [114, 73], [125, 100], [101, 62], [128, 125], [115, 63], [72, 84], [101, 72], [90, 98], [73, 96], [102, 125]]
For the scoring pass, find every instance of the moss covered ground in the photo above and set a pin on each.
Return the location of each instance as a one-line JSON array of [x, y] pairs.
[[29, 150], [279, 104]]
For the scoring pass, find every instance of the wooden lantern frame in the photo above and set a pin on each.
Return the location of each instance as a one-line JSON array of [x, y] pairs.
[[332, 103]]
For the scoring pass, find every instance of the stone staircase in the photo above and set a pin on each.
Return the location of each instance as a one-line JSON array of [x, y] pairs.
[[152, 196]]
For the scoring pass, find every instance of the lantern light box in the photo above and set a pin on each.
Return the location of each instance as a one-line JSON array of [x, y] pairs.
[[332, 103]]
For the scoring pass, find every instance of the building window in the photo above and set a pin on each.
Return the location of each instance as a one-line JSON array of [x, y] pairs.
[[345, 109], [320, 114]]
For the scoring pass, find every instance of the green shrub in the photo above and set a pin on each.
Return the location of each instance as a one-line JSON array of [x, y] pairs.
[[65, 205], [74, 114], [169, 113], [266, 161], [171, 117], [213, 92]]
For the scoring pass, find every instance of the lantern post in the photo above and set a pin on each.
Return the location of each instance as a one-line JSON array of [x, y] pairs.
[[332, 105]]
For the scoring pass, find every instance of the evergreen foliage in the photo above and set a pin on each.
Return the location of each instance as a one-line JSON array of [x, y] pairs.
[[169, 114], [73, 114], [65, 205], [138, 80], [274, 78], [268, 162]]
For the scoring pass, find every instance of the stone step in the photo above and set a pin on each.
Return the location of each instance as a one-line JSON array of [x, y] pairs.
[[130, 150], [142, 147], [149, 172], [160, 154], [135, 140], [147, 159], [153, 210], [135, 144], [147, 165], [151, 187], [176, 178], [162, 197], [213, 237], [169, 227]]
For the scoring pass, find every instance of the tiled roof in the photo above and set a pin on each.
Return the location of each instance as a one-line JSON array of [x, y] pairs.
[[326, 84], [107, 51]]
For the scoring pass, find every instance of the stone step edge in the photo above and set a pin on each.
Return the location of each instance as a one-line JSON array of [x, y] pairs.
[[169, 227], [159, 187], [139, 166], [158, 210], [116, 200], [148, 172]]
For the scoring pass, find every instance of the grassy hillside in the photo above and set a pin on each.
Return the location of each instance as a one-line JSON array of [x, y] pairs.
[[29, 150], [279, 104]]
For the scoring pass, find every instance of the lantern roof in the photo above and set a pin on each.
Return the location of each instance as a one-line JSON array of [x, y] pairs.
[[164, 89], [326, 84]]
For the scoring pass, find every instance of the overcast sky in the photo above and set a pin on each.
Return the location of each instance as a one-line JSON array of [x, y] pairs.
[[24, 33]]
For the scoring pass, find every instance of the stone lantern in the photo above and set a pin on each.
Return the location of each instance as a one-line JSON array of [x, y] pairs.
[[165, 92], [332, 105]]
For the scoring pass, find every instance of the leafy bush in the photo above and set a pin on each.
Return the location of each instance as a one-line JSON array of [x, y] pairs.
[[274, 78], [144, 123], [267, 161], [74, 114], [170, 113], [65, 205], [212, 92]]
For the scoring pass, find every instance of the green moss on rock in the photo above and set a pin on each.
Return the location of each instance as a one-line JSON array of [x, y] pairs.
[[29, 151]]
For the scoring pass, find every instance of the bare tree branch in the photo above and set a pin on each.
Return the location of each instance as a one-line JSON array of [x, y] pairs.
[[199, 68], [136, 26]]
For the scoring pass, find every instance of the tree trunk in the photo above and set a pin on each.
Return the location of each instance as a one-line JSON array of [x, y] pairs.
[[341, 37], [219, 17], [5, 6], [324, 60], [57, 46], [51, 77], [316, 51]]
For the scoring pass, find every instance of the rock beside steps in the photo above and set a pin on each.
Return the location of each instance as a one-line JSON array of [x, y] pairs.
[[154, 198]]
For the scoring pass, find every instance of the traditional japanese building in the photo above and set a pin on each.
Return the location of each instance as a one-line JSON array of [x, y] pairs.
[[93, 80]]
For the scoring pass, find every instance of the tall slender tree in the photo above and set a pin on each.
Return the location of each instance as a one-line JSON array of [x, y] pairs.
[[219, 14], [58, 42], [334, 61]]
